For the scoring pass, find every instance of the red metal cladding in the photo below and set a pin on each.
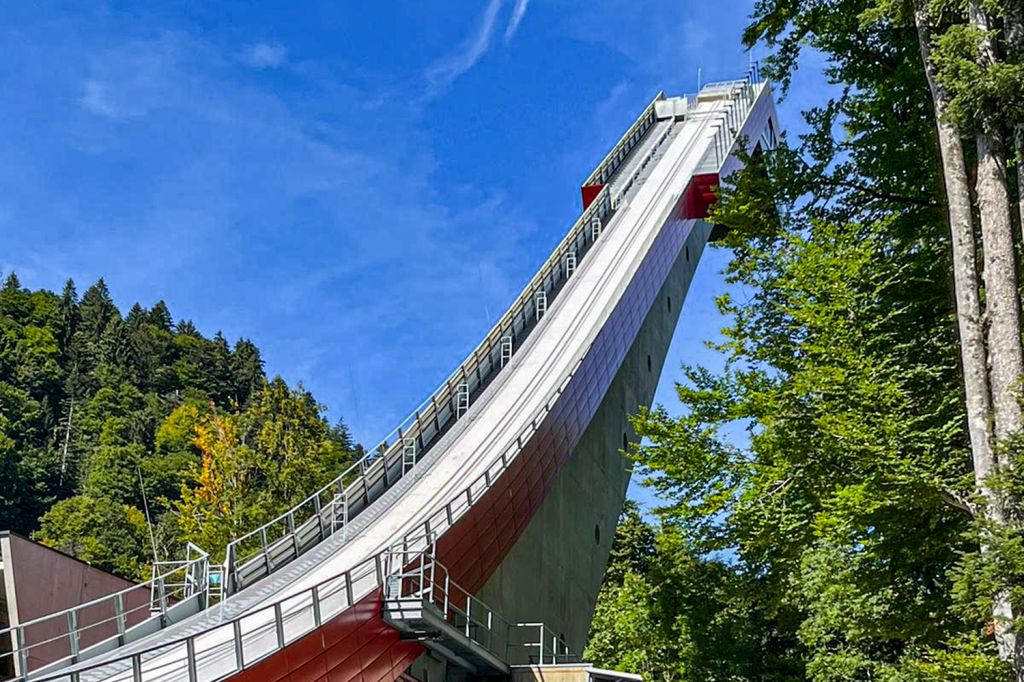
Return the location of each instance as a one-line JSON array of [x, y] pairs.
[[699, 196], [358, 645], [479, 542], [590, 193]]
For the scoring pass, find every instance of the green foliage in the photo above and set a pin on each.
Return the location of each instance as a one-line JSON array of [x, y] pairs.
[[821, 484], [845, 501], [256, 463], [670, 614], [104, 533], [101, 415], [984, 95]]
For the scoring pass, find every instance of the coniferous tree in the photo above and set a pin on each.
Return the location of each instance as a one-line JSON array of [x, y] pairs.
[[101, 416]]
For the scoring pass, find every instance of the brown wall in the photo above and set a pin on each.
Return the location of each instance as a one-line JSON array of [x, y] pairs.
[[39, 581]]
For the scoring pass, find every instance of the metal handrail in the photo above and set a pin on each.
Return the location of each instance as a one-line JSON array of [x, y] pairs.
[[617, 198], [630, 138], [416, 539], [551, 649], [744, 94], [320, 594], [374, 465], [418, 579], [338, 489], [163, 591]]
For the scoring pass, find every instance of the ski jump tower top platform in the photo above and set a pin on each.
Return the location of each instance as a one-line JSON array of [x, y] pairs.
[[477, 533]]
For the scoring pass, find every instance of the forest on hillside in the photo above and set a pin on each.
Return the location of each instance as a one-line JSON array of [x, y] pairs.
[[868, 525], [107, 418]]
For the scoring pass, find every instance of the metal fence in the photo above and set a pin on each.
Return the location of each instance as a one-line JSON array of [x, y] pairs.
[[420, 577], [176, 591], [330, 509]]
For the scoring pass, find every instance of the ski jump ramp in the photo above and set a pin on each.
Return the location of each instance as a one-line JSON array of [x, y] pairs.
[[476, 535]]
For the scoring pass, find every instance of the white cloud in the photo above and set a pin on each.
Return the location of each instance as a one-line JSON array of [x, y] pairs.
[[264, 55], [442, 73], [131, 80], [518, 12]]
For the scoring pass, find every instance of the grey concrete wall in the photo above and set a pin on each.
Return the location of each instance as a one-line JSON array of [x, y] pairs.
[[554, 572]]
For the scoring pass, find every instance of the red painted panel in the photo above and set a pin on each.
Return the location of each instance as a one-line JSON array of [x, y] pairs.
[[699, 196], [590, 193]]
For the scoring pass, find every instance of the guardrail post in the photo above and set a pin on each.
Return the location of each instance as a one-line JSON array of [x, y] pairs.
[[136, 667], [447, 587], [469, 614], [161, 595], [348, 588], [190, 655], [73, 634], [279, 625], [236, 636], [119, 617], [22, 648], [266, 549], [290, 519], [490, 624], [230, 571], [318, 509], [316, 605]]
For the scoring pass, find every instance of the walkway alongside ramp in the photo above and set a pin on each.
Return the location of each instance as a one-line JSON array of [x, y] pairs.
[[479, 475]]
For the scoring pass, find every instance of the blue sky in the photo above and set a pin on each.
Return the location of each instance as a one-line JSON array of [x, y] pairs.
[[360, 188]]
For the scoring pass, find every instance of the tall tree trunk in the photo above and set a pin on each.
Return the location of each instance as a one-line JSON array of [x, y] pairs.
[[1014, 25], [966, 284], [969, 317], [1006, 356], [965, 262]]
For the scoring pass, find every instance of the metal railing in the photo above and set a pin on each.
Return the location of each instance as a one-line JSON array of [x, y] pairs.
[[547, 649], [625, 187], [419, 576], [309, 522], [176, 590], [231, 646], [611, 162], [284, 538], [742, 94], [234, 645], [187, 577], [328, 510], [301, 527]]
